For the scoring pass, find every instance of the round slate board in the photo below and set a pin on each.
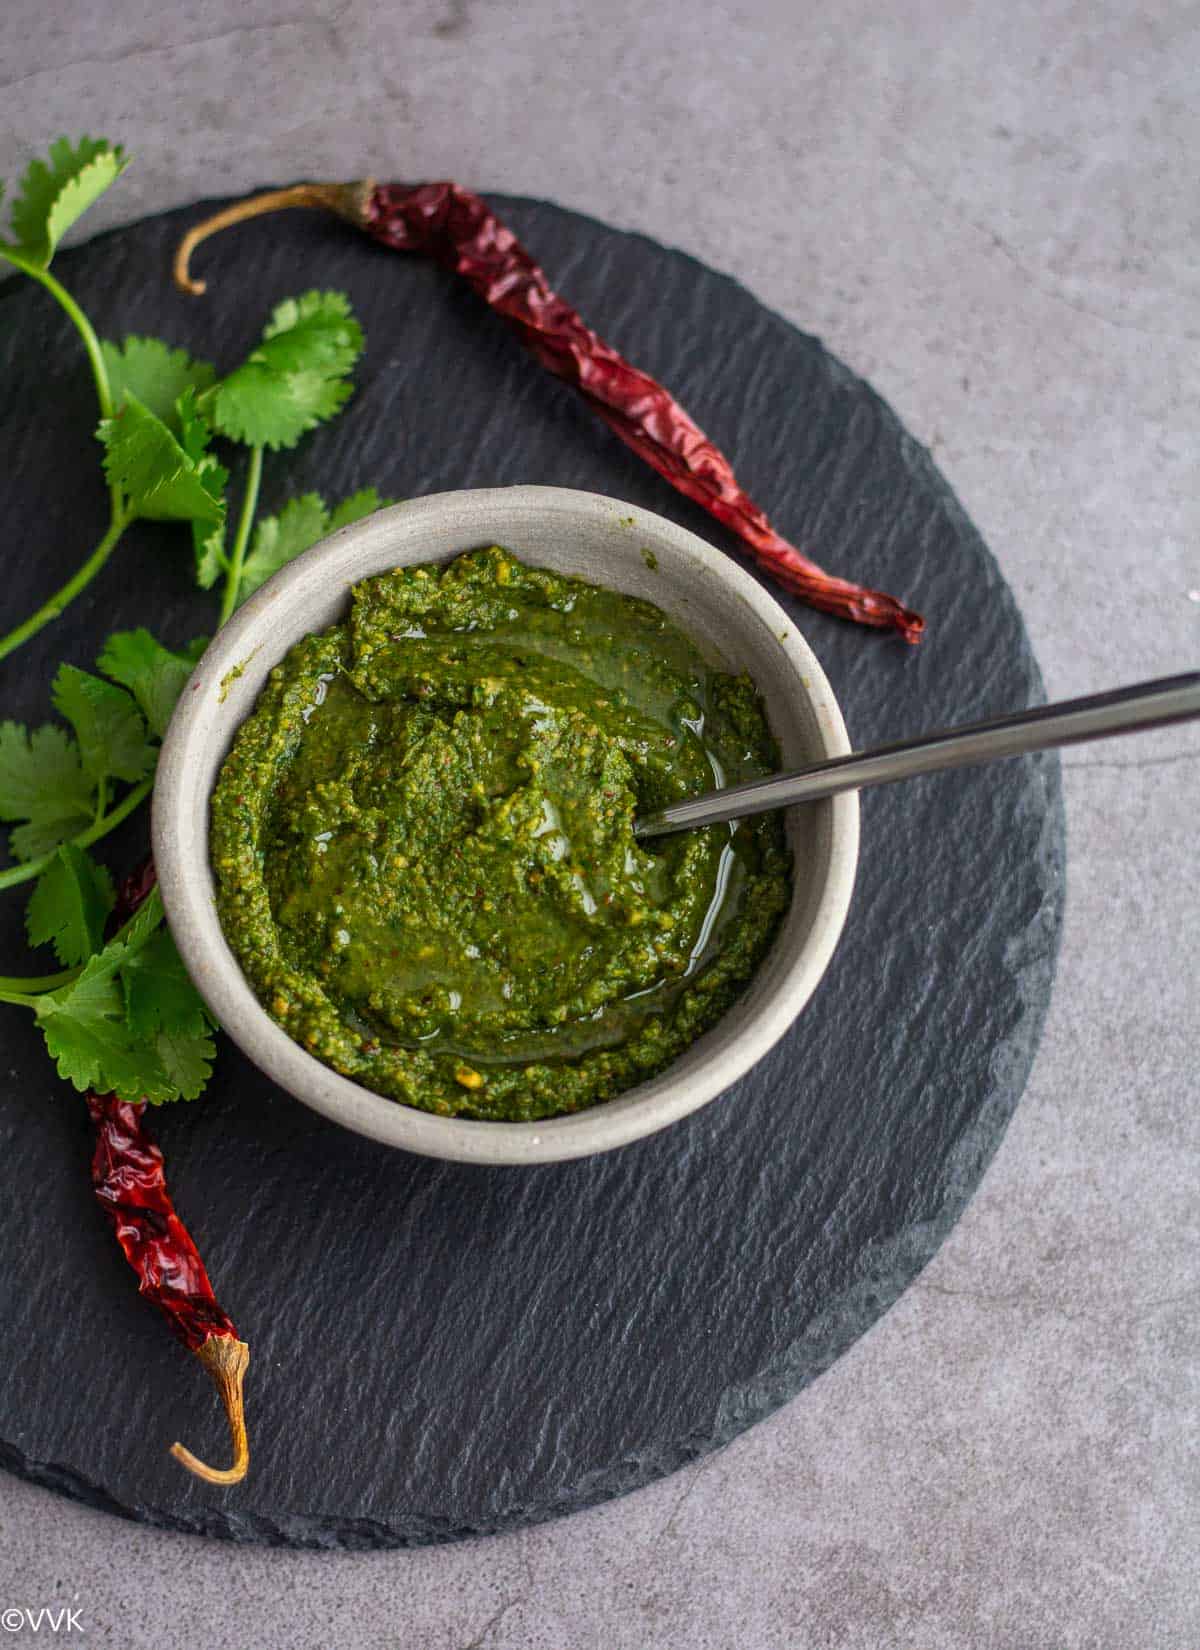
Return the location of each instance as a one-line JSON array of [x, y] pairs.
[[440, 1350]]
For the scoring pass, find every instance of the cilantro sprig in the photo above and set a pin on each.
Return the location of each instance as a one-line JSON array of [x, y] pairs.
[[295, 378], [161, 409], [123, 1016], [127, 1020], [58, 786]]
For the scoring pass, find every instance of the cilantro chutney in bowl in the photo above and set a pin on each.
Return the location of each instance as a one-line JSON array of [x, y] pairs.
[[393, 823], [424, 848]]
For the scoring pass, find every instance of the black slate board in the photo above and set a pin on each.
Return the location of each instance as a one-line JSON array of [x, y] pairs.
[[439, 1350]]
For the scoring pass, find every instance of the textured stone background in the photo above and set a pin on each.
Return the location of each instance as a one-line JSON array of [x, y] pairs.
[[992, 213]]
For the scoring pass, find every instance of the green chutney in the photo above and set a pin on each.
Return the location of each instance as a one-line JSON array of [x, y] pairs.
[[424, 850]]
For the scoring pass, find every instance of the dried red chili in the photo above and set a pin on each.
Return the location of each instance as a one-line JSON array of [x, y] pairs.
[[131, 1187], [459, 230]]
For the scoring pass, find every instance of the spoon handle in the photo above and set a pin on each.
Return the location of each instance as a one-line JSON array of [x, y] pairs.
[[1071, 722]]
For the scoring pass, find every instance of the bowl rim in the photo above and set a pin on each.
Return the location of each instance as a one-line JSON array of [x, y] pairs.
[[185, 877]]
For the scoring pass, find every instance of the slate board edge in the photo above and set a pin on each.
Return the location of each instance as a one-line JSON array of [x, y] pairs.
[[842, 1323], [895, 1266]]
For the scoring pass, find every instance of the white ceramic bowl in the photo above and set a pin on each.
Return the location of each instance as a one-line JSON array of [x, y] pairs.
[[610, 543]]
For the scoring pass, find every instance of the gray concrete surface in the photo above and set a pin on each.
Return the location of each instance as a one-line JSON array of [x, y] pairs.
[[991, 211]]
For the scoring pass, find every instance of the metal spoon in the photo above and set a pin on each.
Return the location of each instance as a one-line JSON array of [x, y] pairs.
[[1071, 722]]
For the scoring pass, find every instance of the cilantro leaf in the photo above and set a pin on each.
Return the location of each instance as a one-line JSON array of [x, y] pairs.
[[42, 782], [48, 780], [187, 1062], [295, 378], [107, 723], [37, 837], [156, 374], [145, 1040], [194, 431], [208, 538], [300, 524], [278, 539], [139, 928], [54, 195], [40, 772], [143, 459], [89, 1040], [159, 994], [316, 332], [152, 673], [209, 546], [354, 508], [70, 904]]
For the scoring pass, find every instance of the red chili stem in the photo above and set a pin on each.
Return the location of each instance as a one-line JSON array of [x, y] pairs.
[[130, 1185], [459, 230]]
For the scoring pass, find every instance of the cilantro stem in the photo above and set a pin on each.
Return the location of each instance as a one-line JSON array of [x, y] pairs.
[[237, 554], [119, 519], [34, 867], [36, 982], [95, 354], [51, 609], [86, 331], [18, 997]]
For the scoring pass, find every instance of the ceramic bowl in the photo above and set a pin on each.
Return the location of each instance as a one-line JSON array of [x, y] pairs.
[[710, 597]]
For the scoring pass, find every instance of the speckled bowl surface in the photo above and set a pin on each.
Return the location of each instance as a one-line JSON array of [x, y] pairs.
[[724, 610]]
